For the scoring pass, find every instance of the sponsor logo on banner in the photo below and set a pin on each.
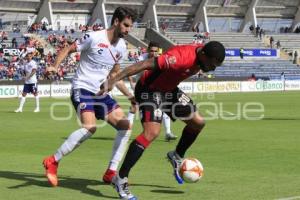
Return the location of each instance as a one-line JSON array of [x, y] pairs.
[[252, 53], [270, 85], [258, 86], [207, 87], [60, 90], [186, 87], [230, 86], [7, 91], [11, 52], [292, 85]]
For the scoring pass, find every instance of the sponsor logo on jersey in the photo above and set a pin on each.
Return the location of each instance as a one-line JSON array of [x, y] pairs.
[[172, 60], [102, 45], [82, 106], [157, 113]]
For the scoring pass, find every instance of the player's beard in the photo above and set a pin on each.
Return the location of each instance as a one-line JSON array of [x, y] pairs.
[[121, 35], [202, 66]]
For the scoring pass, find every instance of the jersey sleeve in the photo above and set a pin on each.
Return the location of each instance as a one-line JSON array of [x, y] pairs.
[[84, 42], [122, 56], [167, 59]]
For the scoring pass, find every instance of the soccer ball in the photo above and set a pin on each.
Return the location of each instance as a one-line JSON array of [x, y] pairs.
[[191, 170]]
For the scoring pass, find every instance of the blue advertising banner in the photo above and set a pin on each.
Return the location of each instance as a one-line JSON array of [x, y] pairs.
[[252, 52]]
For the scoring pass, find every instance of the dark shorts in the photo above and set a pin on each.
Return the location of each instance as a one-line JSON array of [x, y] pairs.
[[86, 101], [176, 104], [30, 88]]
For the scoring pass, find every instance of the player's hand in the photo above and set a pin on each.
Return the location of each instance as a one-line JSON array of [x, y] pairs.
[[132, 100], [106, 87]]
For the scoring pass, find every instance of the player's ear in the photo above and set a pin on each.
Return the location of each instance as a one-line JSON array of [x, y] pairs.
[[116, 22]]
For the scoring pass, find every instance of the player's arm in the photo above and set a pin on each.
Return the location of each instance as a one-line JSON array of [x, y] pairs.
[[132, 82], [116, 68], [61, 56], [136, 68], [120, 84], [33, 71]]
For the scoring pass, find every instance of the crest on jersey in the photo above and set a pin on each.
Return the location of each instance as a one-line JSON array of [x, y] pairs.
[[172, 59], [82, 106], [157, 113], [118, 56]]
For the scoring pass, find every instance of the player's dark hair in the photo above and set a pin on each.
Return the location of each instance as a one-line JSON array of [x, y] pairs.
[[214, 49], [153, 44], [123, 12]]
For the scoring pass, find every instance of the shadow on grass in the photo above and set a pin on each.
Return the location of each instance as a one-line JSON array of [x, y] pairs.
[[79, 184], [280, 119], [97, 138], [112, 139], [168, 191]]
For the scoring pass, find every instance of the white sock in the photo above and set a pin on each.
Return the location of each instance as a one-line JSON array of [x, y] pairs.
[[22, 101], [73, 141], [167, 123], [130, 117], [37, 102], [119, 148]]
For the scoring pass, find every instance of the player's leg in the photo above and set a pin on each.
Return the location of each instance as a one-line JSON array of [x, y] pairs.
[[134, 153], [117, 119], [133, 109], [87, 117], [37, 99], [167, 124], [185, 110], [26, 90], [70, 144], [190, 132], [151, 120]]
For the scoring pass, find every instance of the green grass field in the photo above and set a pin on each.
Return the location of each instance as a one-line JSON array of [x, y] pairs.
[[243, 159]]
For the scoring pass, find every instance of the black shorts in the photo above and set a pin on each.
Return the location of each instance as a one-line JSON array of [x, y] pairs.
[[152, 104]]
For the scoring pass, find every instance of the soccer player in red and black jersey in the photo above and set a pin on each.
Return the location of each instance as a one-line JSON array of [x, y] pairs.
[[157, 92]]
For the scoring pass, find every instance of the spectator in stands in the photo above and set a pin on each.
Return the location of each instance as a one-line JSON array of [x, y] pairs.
[[130, 56], [14, 43], [278, 45], [251, 28], [50, 27], [136, 57], [242, 53], [252, 78], [66, 30], [257, 30], [261, 33], [175, 2], [271, 42], [163, 27], [295, 57], [44, 26]]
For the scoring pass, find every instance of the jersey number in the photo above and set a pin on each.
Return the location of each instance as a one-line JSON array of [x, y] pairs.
[[100, 51]]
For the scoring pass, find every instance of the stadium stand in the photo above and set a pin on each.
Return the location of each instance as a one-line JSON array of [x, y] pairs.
[[230, 40], [262, 69]]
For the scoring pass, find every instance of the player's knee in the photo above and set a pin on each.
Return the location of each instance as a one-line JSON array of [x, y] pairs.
[[151, 134], [123, 124], [91, 129], [197, 124]]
